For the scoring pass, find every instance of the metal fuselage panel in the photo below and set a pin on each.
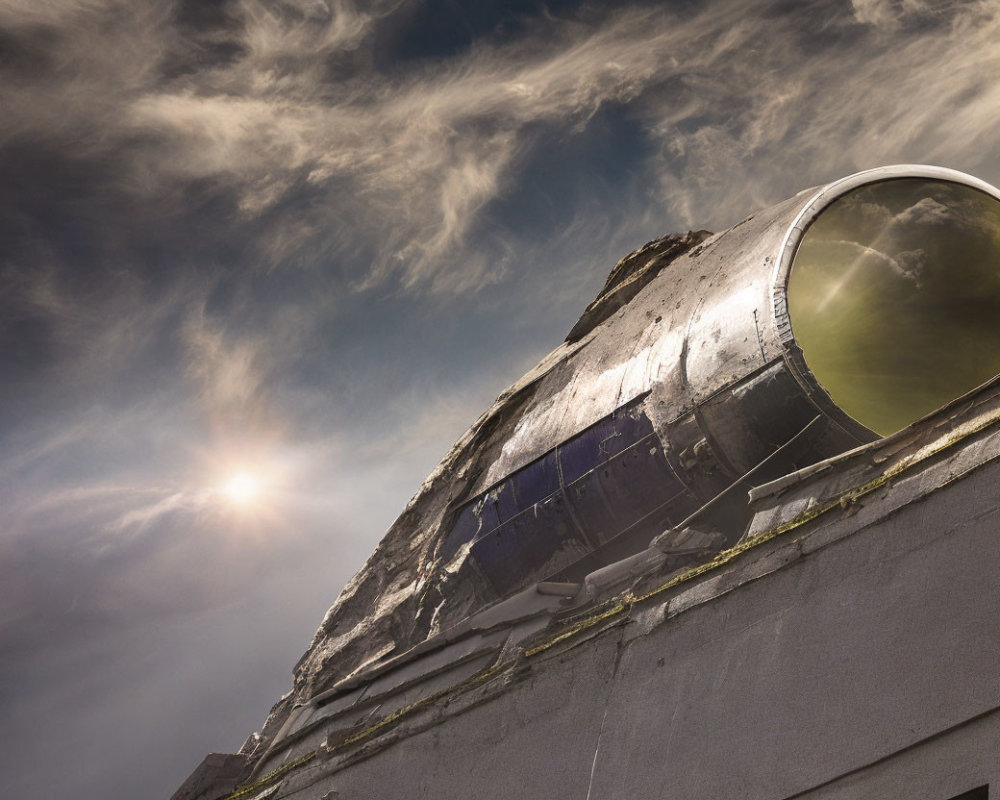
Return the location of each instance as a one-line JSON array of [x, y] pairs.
[[705, 355], [643, 416], [696, 362]]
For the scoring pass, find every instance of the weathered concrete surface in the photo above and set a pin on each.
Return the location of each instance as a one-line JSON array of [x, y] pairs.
[[845, 656], [852, 656], [538, 739], [216, 776], [958, 761]]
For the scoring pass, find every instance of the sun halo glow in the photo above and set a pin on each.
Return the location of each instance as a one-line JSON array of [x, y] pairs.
[[242, 488]]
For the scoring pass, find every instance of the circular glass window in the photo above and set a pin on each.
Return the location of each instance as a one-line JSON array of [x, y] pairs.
[[894, 298]]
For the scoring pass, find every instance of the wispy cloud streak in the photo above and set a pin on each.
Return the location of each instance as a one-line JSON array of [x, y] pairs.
[[317, 238]]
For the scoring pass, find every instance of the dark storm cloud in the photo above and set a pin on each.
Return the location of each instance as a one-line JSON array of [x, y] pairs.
[[319, 238]]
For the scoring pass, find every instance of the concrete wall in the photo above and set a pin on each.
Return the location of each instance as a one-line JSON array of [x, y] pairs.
[[865, 668]]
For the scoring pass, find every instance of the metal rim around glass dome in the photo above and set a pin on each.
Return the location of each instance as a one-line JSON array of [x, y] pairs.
[[826, 195]]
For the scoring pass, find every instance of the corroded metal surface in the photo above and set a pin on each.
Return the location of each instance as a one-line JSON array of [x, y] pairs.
[[643, 415], [857, 532]]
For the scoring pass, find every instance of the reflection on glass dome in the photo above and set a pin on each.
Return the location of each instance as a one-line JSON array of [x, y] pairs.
[[894, 297]]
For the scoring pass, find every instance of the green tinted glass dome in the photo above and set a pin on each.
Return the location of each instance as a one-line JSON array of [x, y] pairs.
[[894, 297]]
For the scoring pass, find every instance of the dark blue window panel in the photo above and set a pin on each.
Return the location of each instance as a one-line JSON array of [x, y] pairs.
[[603, 440], [632, 423], [607, 495], [536, 481], [537, 542], [463, 529], [486, 508], [639, 478], [504, 500], [583, 452], [623, 491], [473, 521]]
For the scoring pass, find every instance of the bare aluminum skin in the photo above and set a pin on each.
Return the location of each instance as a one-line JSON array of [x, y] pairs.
[[705, 350]]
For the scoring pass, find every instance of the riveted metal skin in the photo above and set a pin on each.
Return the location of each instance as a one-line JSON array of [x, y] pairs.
[[667, 392], [703, 366]]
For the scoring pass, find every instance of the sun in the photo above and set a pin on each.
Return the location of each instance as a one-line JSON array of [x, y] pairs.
[[242, 488]]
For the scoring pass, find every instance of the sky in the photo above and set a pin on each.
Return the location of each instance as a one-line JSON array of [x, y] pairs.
[[262, 263]]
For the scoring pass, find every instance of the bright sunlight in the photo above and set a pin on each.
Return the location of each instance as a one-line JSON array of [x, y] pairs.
[[242, 488]]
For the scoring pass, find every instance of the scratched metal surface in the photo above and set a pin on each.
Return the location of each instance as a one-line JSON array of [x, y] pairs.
[[697, 351], [728, 670], [710, 306], [702, 349]]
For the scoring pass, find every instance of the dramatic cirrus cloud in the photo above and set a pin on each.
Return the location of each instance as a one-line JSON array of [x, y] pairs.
[[309, 241], [279, 108]]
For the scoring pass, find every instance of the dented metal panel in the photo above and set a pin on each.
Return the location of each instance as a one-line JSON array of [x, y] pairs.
[[698, 371], [608, 479], [542, 538], [704, 357]]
